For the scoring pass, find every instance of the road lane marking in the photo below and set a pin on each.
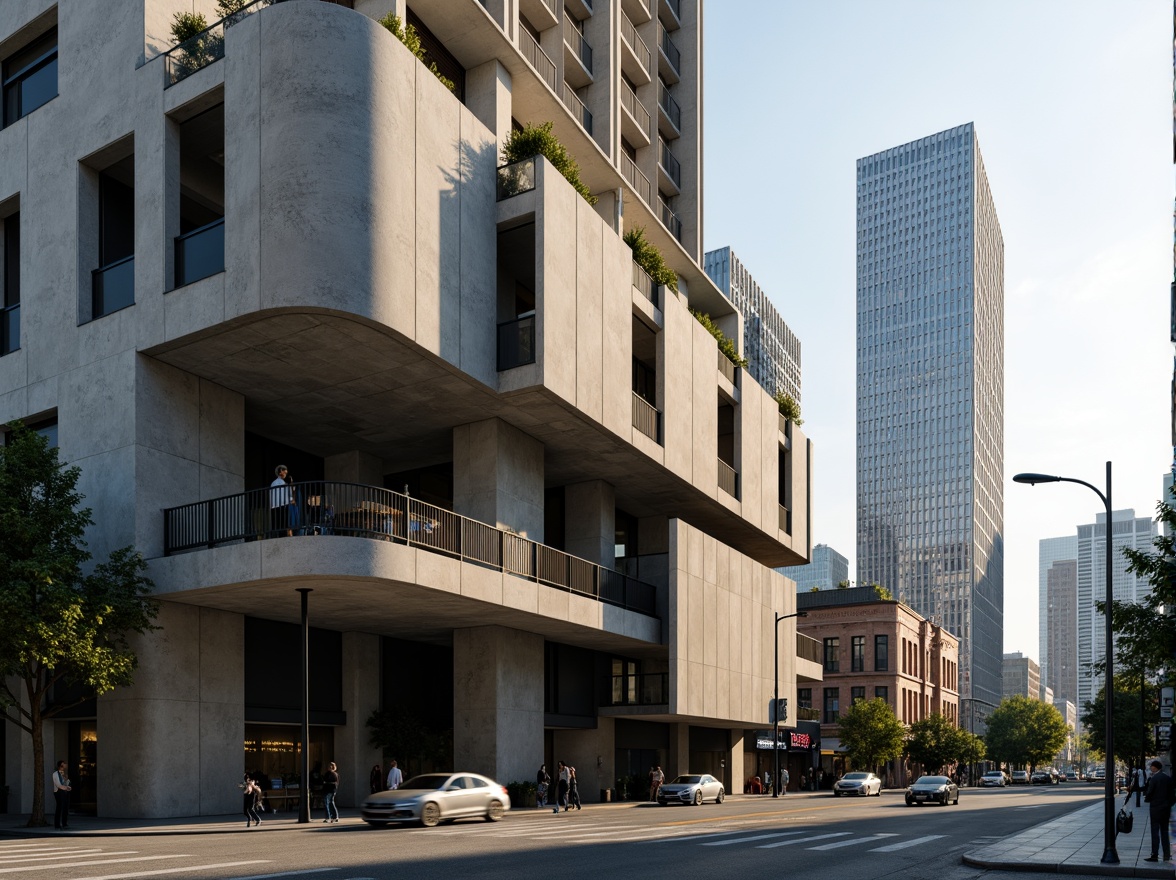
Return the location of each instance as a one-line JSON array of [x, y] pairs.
[[175, 870], [73, 854], [750, 839], [895, 847], [803, 840], [56, 865], [853, 842]]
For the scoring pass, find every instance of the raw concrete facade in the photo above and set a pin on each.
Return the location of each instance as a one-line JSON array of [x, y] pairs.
[[355, 327]]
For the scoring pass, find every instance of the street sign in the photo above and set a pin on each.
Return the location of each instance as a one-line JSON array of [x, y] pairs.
[[1163, 737], [1167, 697], [782, 713]]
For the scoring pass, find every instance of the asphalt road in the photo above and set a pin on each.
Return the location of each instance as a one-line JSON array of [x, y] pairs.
[[808, 835]]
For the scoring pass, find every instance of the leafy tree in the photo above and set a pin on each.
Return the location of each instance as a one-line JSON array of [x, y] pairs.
[[972, 749], [789, 408], [1024, 731], [537, 140], [1132, 728], [59, 623], [407, 34], [871, 733], [649, 258], [935, 742], [726, 346]]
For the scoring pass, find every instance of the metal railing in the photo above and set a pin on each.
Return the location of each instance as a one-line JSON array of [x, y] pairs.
[[646, 285], [669, 162], [728, 479], [648, 689], [808, 713], [808, 648], [516, 342], [726, 367], [114, 286], [537, 58], [785, 519], [518, 177], [579, 44], [669, 219], [200, 253], [669, 106], [669, 49], [636, 110], [579, 109], [630, 36], [646, 418], [352, 509], [637, 180]]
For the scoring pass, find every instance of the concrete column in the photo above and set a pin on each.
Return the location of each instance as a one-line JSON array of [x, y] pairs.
[[185, 712], [733, 775], [361, 696], [354, 467], [498, 477], [590, 521], [678, 758], [487, 92], [498, 702]]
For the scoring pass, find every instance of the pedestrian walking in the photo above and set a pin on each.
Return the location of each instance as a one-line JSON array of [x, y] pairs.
[[542, 780], [573, 789], [250, 801], [395, 777], [61, 790], [784, 778], [767, 782], [656, 778], [1138, 782], [561, 790], [330, 789], [376, 779], [1159, 795]]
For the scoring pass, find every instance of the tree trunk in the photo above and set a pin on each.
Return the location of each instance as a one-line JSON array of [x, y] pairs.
[[37, 819]]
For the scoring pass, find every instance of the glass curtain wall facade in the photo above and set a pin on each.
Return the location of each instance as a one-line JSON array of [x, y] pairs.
[[1049, 552], [828, 569], [930, 393]]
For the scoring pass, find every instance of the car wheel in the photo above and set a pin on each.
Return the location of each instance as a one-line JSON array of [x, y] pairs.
[[878, 793], [494, 812], [719, 797], [698, 798], [430, 815], [910, 803]]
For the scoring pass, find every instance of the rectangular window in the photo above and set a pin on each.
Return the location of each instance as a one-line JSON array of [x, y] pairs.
[[882, 693], [114, 279], [855, 694], [10, 305], [832, 706], [804, 698], [857, 656], [30, 77], [832, 649], [200, 246], [881, 653]]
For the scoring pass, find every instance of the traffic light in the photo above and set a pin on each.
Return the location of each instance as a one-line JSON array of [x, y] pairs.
[[778, 711]]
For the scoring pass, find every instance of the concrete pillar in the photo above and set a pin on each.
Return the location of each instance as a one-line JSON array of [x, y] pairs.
[[487, 93], [678, 755], [498, 477], [361, 696], [498, 702], [733, 774], [590, 521], [354, 467], [185, 712]]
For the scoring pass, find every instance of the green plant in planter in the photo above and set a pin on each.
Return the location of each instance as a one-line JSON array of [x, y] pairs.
[[789, 408], [650, 259], [726, 346], [408, 35], [537, 140]]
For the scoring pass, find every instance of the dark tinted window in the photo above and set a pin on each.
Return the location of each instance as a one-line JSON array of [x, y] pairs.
[[30, 77], [428, 782]]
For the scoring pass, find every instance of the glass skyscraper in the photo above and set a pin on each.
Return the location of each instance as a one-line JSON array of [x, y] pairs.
[[930, 394]]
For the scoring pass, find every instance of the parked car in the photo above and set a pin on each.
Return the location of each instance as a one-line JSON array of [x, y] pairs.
[[1020, 777], [691, 789], [438, 797], [935, 789], [1046, 776], [864, 784], [994, 777]]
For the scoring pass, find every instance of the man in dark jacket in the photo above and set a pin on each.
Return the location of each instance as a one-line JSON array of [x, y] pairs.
[[1160, 796]]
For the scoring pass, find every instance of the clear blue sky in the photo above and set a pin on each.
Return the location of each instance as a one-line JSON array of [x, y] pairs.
[[1072, 102]]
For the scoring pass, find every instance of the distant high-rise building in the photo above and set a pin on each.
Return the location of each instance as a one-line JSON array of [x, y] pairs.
[[771, 348], [828, 569], [1057, 614], [1021, 676], [930, 393]]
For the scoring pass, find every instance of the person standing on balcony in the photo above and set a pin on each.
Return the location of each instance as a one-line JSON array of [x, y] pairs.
[[282, 509]]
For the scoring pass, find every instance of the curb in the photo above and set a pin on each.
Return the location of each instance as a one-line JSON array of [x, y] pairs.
[[1069, 868]]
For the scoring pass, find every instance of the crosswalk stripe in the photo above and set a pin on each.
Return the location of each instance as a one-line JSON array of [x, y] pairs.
[[894, 847], [803, 840], [44, 857], [57, 865], [853, 842], [175, 870], [703, 836], [750, 839]]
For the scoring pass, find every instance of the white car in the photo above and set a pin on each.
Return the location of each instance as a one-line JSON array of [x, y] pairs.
[[438, 797], [863, 784], [691, 789], [994, 777]]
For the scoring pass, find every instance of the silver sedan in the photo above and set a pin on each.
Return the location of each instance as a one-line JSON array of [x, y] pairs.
[[438, 797], [691, 789], [864, 784]]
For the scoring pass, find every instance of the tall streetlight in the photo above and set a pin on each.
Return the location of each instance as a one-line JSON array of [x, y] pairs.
[[1110, 855], [776, 699]]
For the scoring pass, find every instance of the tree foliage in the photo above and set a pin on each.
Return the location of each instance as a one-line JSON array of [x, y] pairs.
[[1023, 731], [58, 624], [649, 258], [789, 408], [1132, 726], [871, 733], [936, 742], [726, 346], [538, 140], [407, 34]]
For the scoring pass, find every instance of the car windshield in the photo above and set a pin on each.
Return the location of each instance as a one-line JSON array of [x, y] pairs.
[[687, 780], [994, 773], [856, 776], [932, 780], [427, 782]]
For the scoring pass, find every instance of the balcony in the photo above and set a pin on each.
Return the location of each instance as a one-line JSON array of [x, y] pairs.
[[785, 520], [579, 109], [728, 479], [114, 286], [727, 368], [636, 59], [650, 689], [516, 179], [672, 69], [543, 14], [669, 219], [537, 58], [808, 713], [200, 253], [577, 55], [646, 418], [674, 7], [516, 342], [670, 114], [636, 124], [638, 10], [669, 168], [358, 511], [637, 180], [646, 287]]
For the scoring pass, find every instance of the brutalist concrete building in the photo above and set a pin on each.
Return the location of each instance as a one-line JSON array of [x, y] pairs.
[[537, 508]]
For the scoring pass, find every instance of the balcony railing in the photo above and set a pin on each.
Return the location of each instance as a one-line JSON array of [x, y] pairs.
[[114, 286], [669, 49], [637, 180], [646, 418], [640, 49], [808, 648], [808, 713], [636, 109], [650, 689], [669, 106], [669, 219], [581, 48], [670, 163], [726, 367], [785, 519], [516, 342], [200, 253], [646, 285], [578, 107], [728, 479], [516, 178], [351, 509], [537, 58]]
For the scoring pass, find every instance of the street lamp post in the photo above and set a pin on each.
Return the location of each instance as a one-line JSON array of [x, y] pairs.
[[776, 700], [1110, 855]]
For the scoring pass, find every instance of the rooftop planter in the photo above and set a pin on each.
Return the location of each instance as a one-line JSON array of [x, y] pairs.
[[789, 408], [407, 34], [650, 259], [726, 346], [537, 140]]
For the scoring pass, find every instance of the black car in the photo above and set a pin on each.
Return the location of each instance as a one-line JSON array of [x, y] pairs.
[[1048, 776], [932, 789]]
